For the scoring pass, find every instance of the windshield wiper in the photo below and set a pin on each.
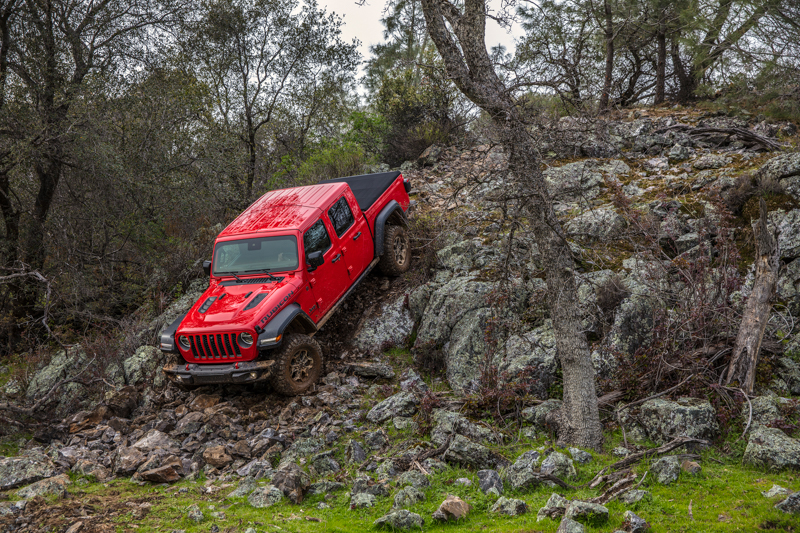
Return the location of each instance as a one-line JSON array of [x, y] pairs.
[[263, 272]]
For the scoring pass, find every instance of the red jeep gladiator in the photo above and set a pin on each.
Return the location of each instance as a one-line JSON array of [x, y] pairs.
[[278, 273]]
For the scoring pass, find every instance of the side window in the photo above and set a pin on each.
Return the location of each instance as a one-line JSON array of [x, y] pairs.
[[341, 216], [316, 239]]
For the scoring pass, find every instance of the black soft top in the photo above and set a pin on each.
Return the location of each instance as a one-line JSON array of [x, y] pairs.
[[367, 188]]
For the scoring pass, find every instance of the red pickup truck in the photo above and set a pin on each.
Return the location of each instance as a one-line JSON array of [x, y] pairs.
[[278, 273]]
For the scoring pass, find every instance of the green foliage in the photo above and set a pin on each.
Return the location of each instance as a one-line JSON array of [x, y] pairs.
[[345, 159]]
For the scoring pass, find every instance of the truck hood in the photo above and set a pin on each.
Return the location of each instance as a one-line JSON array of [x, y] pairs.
[[235, 307]]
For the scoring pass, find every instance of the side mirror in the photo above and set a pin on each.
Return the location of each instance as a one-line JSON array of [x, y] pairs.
[[207, 268], [313, 260]]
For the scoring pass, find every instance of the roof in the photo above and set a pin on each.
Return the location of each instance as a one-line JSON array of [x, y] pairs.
[[285, 209]]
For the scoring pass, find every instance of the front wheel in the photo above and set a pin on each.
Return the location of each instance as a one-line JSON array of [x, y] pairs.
[[396, 257], [298, 365]]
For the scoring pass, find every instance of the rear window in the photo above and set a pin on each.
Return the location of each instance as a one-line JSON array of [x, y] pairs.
[[261, 254]]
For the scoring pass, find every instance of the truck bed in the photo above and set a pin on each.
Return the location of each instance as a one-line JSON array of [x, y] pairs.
[[367, 188]]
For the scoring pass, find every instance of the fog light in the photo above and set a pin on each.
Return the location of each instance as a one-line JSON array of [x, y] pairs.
[[245, 339], [183, 340], [253, 375]]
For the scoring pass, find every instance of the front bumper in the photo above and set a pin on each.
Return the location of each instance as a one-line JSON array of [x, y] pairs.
[[207, 374]]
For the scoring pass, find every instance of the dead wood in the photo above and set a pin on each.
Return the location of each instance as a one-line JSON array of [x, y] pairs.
[[742, 133], [622, 485]]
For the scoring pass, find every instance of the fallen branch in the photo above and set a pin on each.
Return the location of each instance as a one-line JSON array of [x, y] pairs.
[[662, 393], [742, 133], [621, 486], [29, 411]]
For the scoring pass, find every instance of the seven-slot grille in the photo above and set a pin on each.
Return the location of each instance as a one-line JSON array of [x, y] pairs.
[[219, 346]]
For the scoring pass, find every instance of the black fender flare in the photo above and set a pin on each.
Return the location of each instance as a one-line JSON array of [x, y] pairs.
[[380, 223], [167, 341], [268, 338]]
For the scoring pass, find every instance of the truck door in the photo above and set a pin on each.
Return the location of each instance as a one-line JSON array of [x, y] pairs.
[[330, 280], [353, 235]]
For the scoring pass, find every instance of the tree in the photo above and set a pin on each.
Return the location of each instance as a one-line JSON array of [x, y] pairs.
[[459, 35], [267, 62]]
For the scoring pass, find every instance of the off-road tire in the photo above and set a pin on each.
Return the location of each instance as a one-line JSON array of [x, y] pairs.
[[396, 257], [298, 365]]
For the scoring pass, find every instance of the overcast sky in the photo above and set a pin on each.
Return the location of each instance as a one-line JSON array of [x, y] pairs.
[[364, 23]]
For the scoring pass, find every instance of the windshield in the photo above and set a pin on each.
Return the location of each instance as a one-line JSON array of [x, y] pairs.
[[261, 254]]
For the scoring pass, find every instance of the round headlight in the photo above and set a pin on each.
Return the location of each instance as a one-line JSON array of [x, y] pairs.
[[245, 339], [184, 342]]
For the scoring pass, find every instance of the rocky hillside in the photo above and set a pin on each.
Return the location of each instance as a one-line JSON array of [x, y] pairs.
[[435, 404]]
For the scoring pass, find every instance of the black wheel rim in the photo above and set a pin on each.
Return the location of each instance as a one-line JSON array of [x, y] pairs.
[[400, 250], [301, 365]]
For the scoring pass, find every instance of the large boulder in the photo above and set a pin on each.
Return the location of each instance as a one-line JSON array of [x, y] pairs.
[[687, 417], [602, 223], [587, 513], [524, 473], [780, 167], [788, 288], [390, 326], [447, 423], [64, 364], [24, 469], [401, 519], [401, 404], [573, 181], [156, 440], [788, 370], [771, 448], [788, 228], [532, 358], [464, 452], [54, 486], [266, 496], [145, 366]]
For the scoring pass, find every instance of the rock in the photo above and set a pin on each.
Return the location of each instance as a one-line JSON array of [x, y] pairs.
[[537, 415], [190, 423], [679, 153], [325, 487], [776, 490], [531, 357], [401, 519], [266, 496], [90, 468], [54, 486], [162, 474], [371, 370], [580, 456], [62, 365], [412, 382], [127, 461], [711, 161], [390, 326], [376, 440], [559, 465], [666, 469], [765, 410], [453, 508], [633, 322], [789, 371], [362, 500], [464, 452], [122, 402], [523, 474], [633, 523], [355, 452], [292, 481], [602, 223], [509, 506], [690, 417], [204, 401], [145, 366], [634, 496], [555, 507], [447, 423], [780, 167], [463, 481], [691, 467], [790, 504], [24, 469], [324, 464], [592, 514], [568, 525], [466, 348], [366, 485], [217, 457], [246, 486], [401, 404], [787, 225], [408, 496], [490, 479], [430, 156], [156, 440], [194, 513], [573, 181], [773, 449], [788, 287]]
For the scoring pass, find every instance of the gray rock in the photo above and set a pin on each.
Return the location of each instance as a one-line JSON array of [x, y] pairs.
[[559, 465], [324, 464], [127, 461], [664, 419], [325, 487], [390, 326], [568, 525], [447, 306], [509, 506], [145, 365], [54, 486], [490, 479], [447, 423], [679, 153], [156, 440], [24, 469], [711, 161], [766, 409], [292, 481], [635, 496], [531, 357], [771, 448], [555, 507], [776, 490], [414, 478], [573, 180], [386, 470], [537, 414], [666, 469], [633, 323], [602, 223], [401, 519], [246, 486], [194, 513], [788, 228], [524, 474], [466, 349], [633, 523], [788, 288], [788, 370], [62, 365], [464, 452], [580, 456], [404, 423], [780, 167], [401, 404], [408, 496], [790, 504], [372, 370], [362, 500], [592, 514], [657, 164], [355, 452], [412, 382], [266, 496], [366, 485], [376, 440]]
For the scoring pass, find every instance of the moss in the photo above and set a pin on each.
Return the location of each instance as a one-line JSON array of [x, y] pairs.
[[750, 211]]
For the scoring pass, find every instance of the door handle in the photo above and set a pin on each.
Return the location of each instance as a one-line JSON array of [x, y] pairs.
[[336, 258], [357, 235]]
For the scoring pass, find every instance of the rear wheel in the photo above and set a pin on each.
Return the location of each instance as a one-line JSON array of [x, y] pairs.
[[396, 257], [298, 365]]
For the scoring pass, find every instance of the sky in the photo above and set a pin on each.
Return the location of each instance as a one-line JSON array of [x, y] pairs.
[[364, 23]]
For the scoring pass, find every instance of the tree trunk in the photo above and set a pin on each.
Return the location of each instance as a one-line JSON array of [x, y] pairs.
[[609, 38], [742, 368], [463, 48], [661, 62]]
